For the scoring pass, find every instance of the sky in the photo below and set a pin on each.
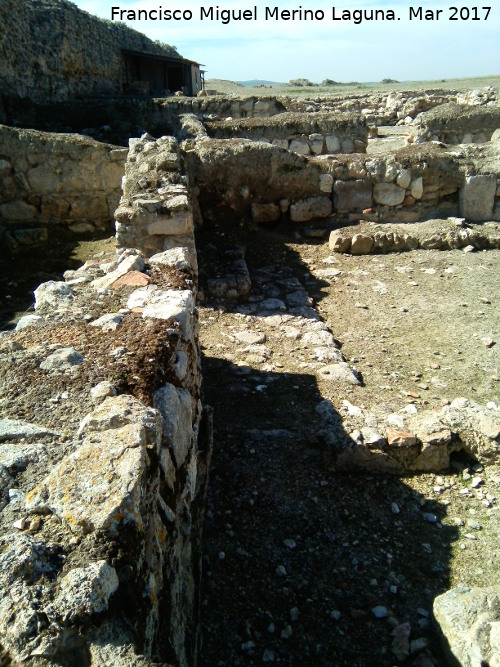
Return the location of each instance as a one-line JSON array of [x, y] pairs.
[[404, 49]]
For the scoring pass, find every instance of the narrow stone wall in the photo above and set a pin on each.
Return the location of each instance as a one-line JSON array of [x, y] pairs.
[[100, 560], [302, 133], [49, 179]]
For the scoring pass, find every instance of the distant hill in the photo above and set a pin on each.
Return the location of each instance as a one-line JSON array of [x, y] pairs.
[[259, 82]]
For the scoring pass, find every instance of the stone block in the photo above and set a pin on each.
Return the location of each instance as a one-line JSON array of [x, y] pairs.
[[177, 305], [316, 141], [332, 144], [176, 409], [347, 145], [326, 182], [417, 188], [361, 244], [98, 487], [353, 195], [299, 146], [179, 223], [309, 209], [18, 211], [339, 243], [265, 212], [281, 143], [388, 194], [477, 197]]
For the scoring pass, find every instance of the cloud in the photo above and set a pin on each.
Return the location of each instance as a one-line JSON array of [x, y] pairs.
[[317, 49]]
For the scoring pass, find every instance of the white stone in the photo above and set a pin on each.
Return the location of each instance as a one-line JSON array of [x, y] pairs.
[[326, 182], [140, 297], [175, 305], [332, 143], [388, 194], [299, 146], [179, 223], [417, 188], [176, 409], [177, 258], [64, 359], [28, 321], [56, 294], [403, 179]]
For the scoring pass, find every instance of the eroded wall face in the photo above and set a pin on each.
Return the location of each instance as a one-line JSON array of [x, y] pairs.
[[49, 180]]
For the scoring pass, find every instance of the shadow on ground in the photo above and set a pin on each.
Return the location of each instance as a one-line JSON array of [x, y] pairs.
[[304, 565]]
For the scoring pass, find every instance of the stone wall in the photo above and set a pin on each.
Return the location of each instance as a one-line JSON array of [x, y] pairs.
[[56, 179], [458, 124], [301, 133], [54, 51], [100, 560], [267, 183]]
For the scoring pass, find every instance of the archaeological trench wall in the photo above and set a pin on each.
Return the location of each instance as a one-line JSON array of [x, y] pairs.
[[49, 180]]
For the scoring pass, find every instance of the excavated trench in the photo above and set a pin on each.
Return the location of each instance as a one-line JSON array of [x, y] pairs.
[[305, 564]]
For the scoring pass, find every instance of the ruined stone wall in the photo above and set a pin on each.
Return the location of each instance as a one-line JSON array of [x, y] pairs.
[[458, 124], [54, 51], [51, 179], [302, 133], [268, 183], [100, 560]]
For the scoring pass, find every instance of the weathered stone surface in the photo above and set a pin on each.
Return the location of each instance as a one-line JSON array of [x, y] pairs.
[[469, 619], [177, 258], [299, 146], [176, 408], [53, 294], [309, 209], [353, 195], [130, 263], [477, 197], [339, 242], [28, 321], [63, 360], [361, 244], [326, 182], [84, 591], [99, 486], [16, 429], [417, 188], [175, 305], [132, 279], [332, 143], [388, 194], [340, 372], [108, 322], [179, 223]]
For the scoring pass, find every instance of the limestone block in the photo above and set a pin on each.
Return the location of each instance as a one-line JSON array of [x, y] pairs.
[[326, 182], [54, 294], [361, 244], [388, 194], [99, 486], [84, 591], [339, 243], [403, 179], [309, 209], [177, 258], [175, 305], [18, 211], [176, 409], [353, 195], [347, 145], [28, 321], [417, 188], [179, 223], [131, 263], [469, 619], [340, 372], [62, 360], [477, 197], [140, 297], [332, 144], [316, 141], [89, 208], [265, 212], [299, 146], [281, 143]]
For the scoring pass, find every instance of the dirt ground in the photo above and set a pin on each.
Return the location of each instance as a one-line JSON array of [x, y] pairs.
[[300, 559]]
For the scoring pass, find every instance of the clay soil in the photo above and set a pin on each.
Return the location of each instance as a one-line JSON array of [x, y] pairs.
[[297, 554]]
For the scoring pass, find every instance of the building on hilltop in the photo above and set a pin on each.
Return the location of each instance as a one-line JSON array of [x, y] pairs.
[[51, 51]]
